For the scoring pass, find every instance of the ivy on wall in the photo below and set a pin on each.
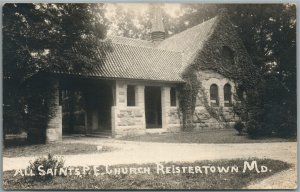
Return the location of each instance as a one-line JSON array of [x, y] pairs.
[[241, 71]]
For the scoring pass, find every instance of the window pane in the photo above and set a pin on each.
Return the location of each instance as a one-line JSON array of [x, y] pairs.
[[130, 95], [227, 95], [173, 96], [214, 98]]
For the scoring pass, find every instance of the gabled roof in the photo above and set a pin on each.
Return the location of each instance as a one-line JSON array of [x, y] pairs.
[[130, 41], [136, 59], [190, 41], [143, 60], [143, 63]]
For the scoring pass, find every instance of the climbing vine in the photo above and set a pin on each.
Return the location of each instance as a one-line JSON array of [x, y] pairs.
[[241, 71], [187, 100]]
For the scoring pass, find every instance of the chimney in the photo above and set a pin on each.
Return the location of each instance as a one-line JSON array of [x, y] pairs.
[[157, 30]]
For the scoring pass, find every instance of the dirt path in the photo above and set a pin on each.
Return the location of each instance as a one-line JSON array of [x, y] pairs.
[[142, 152], [282, 180]]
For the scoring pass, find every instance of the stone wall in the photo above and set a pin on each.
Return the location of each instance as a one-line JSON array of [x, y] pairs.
[[174, 121], [223, 117], [130, 120]]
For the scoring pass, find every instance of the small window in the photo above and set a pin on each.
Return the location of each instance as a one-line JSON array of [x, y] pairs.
[[227, 55], [214, 95], [227, 95], [130, 95], [173, 96]]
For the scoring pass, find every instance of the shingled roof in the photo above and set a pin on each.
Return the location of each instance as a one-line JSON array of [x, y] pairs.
[[136, 59], [130, 41], [144, 60], [190, 41]]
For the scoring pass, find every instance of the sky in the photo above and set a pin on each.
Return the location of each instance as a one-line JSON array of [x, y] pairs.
[[171, 8]]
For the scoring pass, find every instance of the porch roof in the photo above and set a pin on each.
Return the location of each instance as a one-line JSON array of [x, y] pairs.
[[136, 59], [144, 60]]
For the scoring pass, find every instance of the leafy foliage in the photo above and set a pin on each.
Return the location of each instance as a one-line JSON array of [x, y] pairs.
[[269, 35], [239, 126], [268, 32], [46, 37], [49, 163], [42, 36]]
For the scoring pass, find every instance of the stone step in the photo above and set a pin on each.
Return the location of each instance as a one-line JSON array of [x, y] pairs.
[[102, 134]]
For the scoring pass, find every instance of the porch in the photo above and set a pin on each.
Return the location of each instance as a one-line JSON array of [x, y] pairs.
[[113, 108], [86, 106]]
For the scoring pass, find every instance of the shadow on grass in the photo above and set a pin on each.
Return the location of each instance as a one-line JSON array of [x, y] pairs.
[[20, 147], [206, 136]]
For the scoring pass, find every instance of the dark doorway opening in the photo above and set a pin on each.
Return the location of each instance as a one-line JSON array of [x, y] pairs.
[[99, 102], [73, 111], [153, 109]]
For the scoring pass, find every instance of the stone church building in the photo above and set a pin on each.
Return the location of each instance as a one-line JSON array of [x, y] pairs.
[[136, 89]]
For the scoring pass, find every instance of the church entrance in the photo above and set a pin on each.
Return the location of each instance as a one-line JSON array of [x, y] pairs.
[[153, 110]]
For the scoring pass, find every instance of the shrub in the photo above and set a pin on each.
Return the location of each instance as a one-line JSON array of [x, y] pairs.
[[49, 162], [254, 129], [239, 126]]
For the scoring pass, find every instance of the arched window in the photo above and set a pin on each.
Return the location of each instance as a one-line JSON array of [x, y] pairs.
[[214, 95], [227, 95], [227, 55]]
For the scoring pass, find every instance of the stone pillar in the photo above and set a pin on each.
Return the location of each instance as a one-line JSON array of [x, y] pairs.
[[221, 95], [140, 101], [165, 105], [140, 96], [121, 94], [54, 127], [126, 119], [113, 121]]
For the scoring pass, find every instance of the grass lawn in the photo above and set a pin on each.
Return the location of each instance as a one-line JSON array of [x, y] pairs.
[[209, 136], [153, 180], [53, 148]]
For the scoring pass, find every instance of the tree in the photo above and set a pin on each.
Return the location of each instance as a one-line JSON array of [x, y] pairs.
[[269, 35], [42, 37], [128, 23], [268, 32]]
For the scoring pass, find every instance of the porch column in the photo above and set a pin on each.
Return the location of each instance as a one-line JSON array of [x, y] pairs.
[[165, 105], [140, 101], [54, 127], [140, 96], [221, 94], [121, 94], [120, 102]]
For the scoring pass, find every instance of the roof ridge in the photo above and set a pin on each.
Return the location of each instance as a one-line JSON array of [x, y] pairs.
[[135, 39], [154, 48], [191, 28], [210, 32]]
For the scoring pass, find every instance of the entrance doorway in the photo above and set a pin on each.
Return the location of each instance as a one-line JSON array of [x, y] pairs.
[[153, 110], [99, 102]]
